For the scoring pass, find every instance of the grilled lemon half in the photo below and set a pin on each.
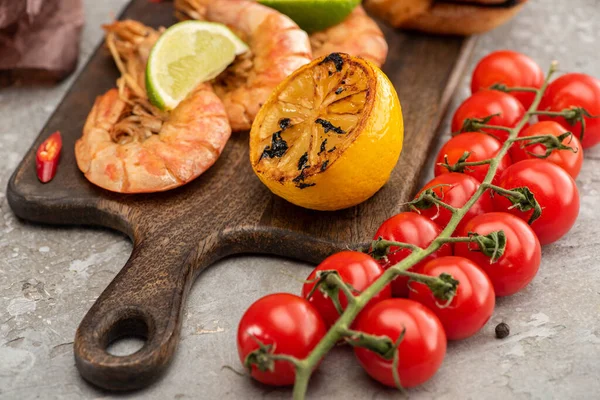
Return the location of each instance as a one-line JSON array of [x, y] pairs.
[[330, 135]]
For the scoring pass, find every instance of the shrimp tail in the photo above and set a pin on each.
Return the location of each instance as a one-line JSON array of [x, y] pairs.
[[130, 43]]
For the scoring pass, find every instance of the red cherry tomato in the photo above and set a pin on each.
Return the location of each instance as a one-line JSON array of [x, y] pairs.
[[489, 102], [522, 255], [575, 90], [422, 350], [289, 323], [511, 69], [570, 161], [458, 190], [359, 270], [480, 146], [553, 188], [471, 307], [414, 229]]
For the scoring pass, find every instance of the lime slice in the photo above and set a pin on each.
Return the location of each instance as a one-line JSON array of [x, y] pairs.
[[314, 15], [187, 54]]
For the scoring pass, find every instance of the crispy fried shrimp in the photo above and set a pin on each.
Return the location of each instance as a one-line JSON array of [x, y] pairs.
[[130, 146]]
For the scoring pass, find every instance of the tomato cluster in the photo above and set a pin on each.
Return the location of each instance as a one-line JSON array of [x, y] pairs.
[[531, 200]]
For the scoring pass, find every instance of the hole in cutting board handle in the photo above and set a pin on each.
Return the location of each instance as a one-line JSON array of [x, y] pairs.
[[126, 346], [127, 335]]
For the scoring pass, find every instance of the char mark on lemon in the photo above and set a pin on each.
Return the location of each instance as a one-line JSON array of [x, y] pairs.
[[277, 148], [328, 126], [323, 147], [336, 59]]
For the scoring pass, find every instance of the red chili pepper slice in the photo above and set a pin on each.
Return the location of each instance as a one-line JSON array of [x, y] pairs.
[[47, 157]]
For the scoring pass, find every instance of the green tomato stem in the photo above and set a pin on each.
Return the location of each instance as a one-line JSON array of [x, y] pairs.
[[506, 192], [460, 166], [494, 127], [503, 88], [440, 203], [337, 281], [391, 243]]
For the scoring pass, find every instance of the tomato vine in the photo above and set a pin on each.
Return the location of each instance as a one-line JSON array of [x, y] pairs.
[[444, 286]]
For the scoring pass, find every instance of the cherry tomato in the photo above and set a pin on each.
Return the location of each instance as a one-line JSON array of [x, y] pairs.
[[359, 270], [414, 229], [289, 323], [471, 307], [522, 255], [553, 188], [575, 90], [421, 351], [570, 161], [489, 102], [458, 190], [511, 69], [480, 146]]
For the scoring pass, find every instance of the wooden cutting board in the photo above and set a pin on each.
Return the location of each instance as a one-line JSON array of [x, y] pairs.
[[226, 211]]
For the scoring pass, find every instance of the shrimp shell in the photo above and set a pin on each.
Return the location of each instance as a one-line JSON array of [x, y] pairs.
[[128, 145], [278, 47]]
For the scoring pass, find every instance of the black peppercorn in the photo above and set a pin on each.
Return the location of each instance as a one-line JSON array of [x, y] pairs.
[[502, 330]]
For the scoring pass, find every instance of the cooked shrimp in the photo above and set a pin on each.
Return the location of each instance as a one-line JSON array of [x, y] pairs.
[[278, 47], [357, 35], [128, 145]]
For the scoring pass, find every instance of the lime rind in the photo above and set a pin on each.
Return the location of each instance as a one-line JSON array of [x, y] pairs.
[[186, 55], [314, 15], [240, 46]]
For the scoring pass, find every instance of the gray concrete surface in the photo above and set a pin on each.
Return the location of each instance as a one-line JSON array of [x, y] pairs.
[[49, 277]]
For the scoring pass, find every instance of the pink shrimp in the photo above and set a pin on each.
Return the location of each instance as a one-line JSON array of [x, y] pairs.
[[357, 35], [128, 145]]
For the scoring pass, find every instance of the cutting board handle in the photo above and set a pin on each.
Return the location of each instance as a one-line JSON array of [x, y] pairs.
[[144, 300]]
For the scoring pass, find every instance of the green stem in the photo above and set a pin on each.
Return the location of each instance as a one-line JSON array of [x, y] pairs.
[[549, 113], [391, 243], [503, 88], [506, 192], [420, 277], [494, 127], [528, 138], [456, 240], [346, 319], [337, 281], [472, 163], [442, 204], [303, 374], [521, 89], [285, 357], [379, 344]]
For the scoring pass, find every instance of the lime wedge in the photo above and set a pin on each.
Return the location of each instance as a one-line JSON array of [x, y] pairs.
[[314, 15], [187, 54]]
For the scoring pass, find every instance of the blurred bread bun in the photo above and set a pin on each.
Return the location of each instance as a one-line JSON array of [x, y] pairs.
[[449, 17]]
